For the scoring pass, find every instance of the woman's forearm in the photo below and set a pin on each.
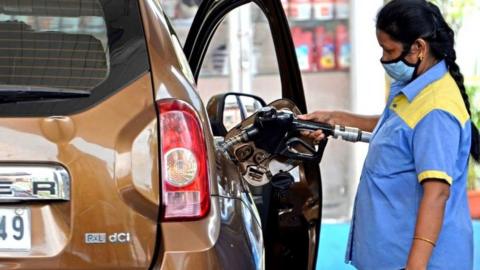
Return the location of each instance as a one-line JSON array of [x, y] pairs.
[[363, 122], [429, 223]]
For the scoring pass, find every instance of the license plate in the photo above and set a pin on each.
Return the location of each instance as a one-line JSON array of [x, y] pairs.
[[15, 229]]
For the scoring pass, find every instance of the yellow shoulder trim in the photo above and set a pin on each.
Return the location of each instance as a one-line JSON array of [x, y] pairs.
[[440, 95], [434, 174]]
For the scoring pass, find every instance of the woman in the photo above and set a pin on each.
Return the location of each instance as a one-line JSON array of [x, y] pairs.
[[411, 207]]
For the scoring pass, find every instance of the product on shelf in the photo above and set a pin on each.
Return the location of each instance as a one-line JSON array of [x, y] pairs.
[[303, 48], [325, 49], [342, 46], [300, 9], [285, 5], [323, 9], [342, 10]]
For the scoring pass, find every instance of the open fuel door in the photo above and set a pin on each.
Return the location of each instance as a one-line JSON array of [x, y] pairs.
[[291, 219]]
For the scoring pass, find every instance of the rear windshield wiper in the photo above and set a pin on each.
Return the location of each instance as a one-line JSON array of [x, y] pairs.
[[15, 94]]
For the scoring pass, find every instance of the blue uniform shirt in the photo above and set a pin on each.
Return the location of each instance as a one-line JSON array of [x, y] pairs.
[[424, 132]]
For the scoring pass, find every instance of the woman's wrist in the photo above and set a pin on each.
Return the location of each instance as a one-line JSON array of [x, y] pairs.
[[415, 264], [337, 118], [363, 122], [415, 267]]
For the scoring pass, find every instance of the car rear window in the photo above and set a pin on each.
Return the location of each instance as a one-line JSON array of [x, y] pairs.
[[56, 46], [93, 45]]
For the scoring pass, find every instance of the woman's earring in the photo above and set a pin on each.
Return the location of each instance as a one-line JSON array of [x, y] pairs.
[[420, 57]]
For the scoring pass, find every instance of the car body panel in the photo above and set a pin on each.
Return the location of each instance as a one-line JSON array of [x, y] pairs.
[[237, 248], [191, 241], [97, 147]]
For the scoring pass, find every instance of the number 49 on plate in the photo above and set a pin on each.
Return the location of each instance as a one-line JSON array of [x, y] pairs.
[[15, 229]]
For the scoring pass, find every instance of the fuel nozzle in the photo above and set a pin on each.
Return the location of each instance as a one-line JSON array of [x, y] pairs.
[[244, 136], [351, 134]]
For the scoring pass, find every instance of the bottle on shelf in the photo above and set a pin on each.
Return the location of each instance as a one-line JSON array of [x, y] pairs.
[[323, 9], [343, 48], [300, 10], [325, 49], [303, 41]]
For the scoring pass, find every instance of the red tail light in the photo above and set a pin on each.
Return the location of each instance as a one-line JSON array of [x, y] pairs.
[[184, 162]]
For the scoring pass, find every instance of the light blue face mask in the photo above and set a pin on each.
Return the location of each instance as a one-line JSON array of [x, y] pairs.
[[400, 70]]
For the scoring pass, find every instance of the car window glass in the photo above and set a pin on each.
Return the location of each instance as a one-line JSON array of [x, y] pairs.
[[231, 112], [45, 45], [250, 105], [237, 108], [91, 46]]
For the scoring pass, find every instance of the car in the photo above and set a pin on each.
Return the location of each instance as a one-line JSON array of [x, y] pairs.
[[110, 159]]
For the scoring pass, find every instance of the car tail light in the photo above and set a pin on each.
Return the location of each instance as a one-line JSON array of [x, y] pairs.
[[185, 191]]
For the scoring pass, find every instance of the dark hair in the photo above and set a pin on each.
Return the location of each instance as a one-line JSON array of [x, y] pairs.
[[406, 21]]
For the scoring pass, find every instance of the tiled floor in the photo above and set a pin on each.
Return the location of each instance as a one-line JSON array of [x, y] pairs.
[[333, 239]]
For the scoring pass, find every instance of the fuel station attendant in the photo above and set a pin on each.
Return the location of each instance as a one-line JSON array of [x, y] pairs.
[[411, 207]]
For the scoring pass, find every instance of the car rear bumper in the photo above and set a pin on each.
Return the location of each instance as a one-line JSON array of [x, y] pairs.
[[229, 238]]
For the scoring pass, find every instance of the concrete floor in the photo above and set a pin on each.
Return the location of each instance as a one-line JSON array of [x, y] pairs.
[[333, 241]]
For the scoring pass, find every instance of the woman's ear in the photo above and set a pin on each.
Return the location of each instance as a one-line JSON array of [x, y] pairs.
[[420, 47]]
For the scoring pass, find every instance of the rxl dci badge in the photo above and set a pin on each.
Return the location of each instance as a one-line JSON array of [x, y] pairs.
[[102, 238]]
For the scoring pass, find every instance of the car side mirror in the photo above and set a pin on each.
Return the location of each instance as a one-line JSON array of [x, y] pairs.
[[225, 111]]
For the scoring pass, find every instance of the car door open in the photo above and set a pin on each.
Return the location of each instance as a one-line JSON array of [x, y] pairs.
[[291, 220]]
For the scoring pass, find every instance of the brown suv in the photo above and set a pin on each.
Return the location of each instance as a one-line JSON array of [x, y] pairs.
[[108, 159]]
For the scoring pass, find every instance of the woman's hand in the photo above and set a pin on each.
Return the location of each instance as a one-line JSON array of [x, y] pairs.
[[320, 117], [363, 122]]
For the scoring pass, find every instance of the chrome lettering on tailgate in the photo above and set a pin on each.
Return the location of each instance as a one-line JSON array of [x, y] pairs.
[[95, 238], [33, 182], [102, 238]]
